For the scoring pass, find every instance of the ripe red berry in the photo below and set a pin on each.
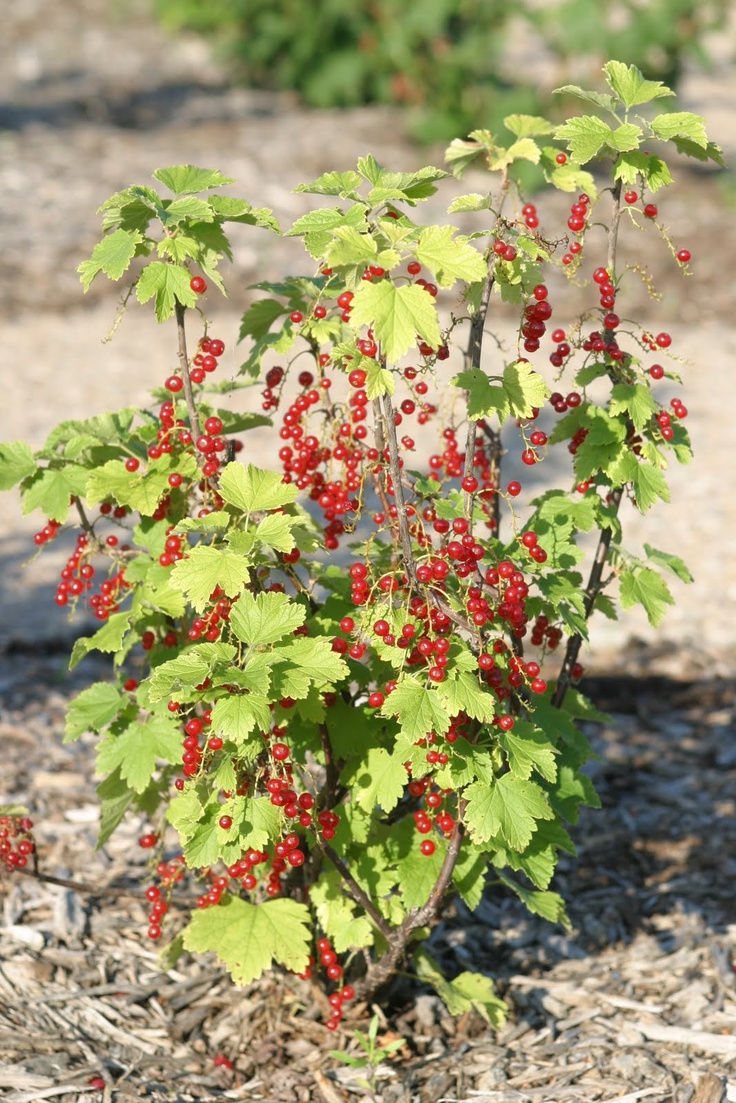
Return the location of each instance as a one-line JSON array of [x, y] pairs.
[[226, 822], [198, 285], [174, 384], [684, 255]]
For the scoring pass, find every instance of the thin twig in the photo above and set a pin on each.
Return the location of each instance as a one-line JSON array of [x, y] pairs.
[[356, 891], [94, 890], [398, 489]]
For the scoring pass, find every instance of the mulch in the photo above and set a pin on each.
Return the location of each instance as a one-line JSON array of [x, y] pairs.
[[637, 1002]]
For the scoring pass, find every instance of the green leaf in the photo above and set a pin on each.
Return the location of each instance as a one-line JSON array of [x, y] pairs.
[[645, 587], [628, 83], [91, 710], [418, 708], [275, 531], [484, 397], [585, 136], [378, 780], [258, 619], [140, 490], [51, 489], [509, 808], [204, 568], [473, 202], [467, 992], [447, 257], [112, 256], [528, 749], [115, 798], [525, 389], [634, 399], [236, 716], [189, 178], [252, 488], [397, 315], [711, 152], [626, 137], [549, 905], [169, 283], [136, 750], [304, 662], [248, 938], [378, 380], [670, 562], [649, 486], [636, 163], [109, 638], [681, 124], [317, 227], [462, 692], [418, 874], [344, 184], [525, 126], [259, 317], [600, 99], [186, 671], [350, 248], [16, 463]]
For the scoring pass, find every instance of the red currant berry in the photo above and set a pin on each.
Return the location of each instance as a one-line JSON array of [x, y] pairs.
[[198, 285]]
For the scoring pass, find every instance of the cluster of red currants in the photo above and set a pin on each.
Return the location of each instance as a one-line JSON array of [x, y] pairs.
[[16, 841]]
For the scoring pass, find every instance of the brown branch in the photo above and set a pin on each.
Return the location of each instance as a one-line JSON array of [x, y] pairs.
[[356, 891], [395, 471], [382, 970], [594, 587], [184, 367], [473, 359], [331, 770], [93, 890]]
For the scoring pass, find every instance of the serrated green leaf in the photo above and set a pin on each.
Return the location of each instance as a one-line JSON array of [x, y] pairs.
[[115, 798], [600, 99], [344, 184], [189, 178], [378, 780], [136, 750], [645, 587], [169, 283], [671, 562], [462, 692], [711, 152], [236, 716], [654, 170], [473, 202], [509, 808], [467, 992], [418, 708], [634, 399], [51, 490], [16, 463], [528, 749], [91, 710], [628, 83], [206, 567], [397, 315], [259, 317], [549, 905], [449, 257], [141, 490], [112, 256], [525, 389], [258, 619], [681, 124], [348, 247], [469, 875], [418, 874], [525, 149], [626, 137], [378, 380], [275, 531], [252, 488], [584, 135], [109, 638], [649, 485], [305, 662], [484, 397], [184, 672], [248, 938], [524, 126]]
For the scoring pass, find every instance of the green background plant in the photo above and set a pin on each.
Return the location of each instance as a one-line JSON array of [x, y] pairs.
[[448, 61]]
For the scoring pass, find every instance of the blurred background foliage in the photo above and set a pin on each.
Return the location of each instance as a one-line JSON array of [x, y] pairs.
[[453, 64]]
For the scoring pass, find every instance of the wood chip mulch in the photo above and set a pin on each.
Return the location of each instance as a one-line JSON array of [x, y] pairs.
[[638, 1002]]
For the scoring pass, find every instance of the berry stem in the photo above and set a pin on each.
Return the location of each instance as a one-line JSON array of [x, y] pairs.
[[395, 470]]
